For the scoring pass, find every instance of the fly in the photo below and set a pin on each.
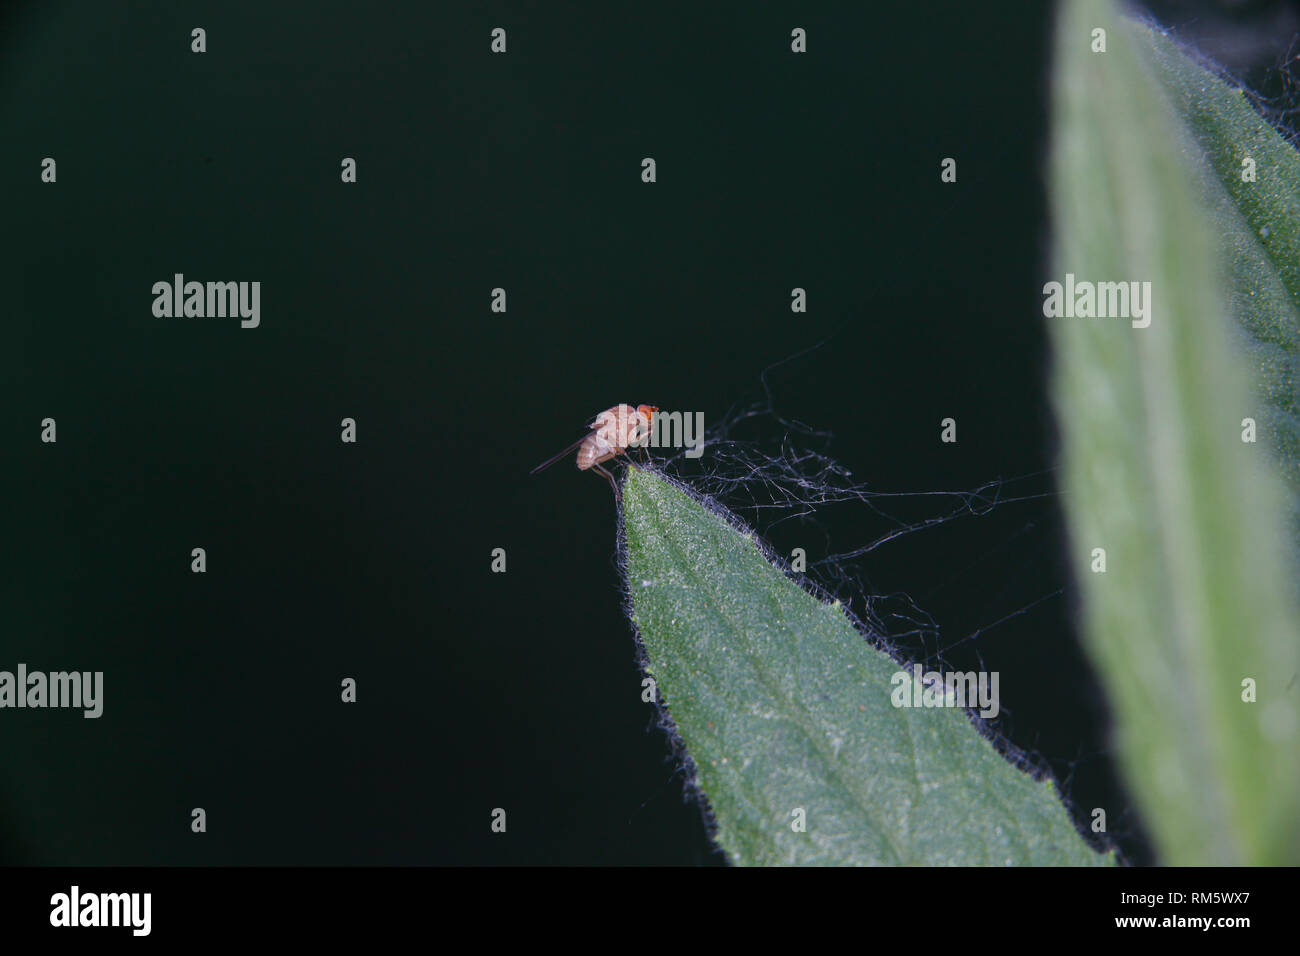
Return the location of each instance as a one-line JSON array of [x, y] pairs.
[[612, 433]]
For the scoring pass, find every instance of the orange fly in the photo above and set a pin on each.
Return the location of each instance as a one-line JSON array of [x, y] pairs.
[[612, 433]]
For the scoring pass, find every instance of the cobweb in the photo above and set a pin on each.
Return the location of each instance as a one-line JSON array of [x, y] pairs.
[[1265, 74], [786, 474]]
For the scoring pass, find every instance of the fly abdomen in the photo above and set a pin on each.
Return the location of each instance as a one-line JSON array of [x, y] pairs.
[[593, 451]]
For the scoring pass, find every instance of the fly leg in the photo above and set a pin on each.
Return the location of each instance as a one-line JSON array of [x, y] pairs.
[[618, 495]]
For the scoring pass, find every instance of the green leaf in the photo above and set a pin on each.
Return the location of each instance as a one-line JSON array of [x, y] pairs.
[[1197, 595], [784, 705], [1256, 225]]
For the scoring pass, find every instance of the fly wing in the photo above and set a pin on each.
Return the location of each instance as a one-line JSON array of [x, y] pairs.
[[558, 455]]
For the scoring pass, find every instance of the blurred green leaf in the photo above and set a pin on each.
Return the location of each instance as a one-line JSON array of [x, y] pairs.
[[1197, 592], [784, 705]]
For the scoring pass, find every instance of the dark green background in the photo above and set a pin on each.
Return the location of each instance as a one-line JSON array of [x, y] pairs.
[[371, 560]]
